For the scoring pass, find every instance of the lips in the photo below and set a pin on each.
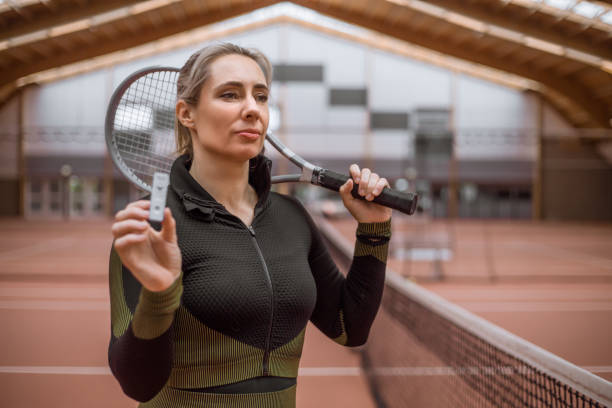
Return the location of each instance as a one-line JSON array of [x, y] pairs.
[[249, 133]]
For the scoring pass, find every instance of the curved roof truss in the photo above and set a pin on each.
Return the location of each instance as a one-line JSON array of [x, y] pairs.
[[554, 43]]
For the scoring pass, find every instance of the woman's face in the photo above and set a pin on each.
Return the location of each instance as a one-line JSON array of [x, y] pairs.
[[232, 115]]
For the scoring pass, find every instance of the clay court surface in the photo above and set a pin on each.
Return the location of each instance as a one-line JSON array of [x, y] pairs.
[[548, 283]]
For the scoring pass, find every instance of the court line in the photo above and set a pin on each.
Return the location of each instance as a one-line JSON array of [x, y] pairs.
[[525, 294], [349, 371], [330, 371], [56, 370], [54, 305], [36, 249], [562, 253], [85, 292], [537, 307]]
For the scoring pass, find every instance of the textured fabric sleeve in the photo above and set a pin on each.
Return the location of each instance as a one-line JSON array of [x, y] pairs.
[[346, 306], [140, 349]]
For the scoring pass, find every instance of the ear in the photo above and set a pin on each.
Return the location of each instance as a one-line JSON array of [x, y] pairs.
[[184, 114]]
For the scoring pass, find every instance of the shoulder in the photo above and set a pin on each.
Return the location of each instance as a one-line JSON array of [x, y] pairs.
[[290, 210], [287, 203]]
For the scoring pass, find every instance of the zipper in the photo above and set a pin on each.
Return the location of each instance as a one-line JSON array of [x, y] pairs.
[[266, 358], [221, 208]]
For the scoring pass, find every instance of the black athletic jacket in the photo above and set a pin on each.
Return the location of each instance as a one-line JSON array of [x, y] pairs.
[[230, 330]]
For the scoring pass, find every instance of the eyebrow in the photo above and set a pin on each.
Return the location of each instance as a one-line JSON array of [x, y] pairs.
[[241, 85]]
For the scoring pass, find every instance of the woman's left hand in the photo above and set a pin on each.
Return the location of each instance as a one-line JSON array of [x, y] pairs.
[[370, 186]]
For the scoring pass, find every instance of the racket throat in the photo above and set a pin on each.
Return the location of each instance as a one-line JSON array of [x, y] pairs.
[[310, 173]]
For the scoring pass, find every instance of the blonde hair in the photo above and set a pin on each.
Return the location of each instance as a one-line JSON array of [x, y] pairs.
[[195, 72]]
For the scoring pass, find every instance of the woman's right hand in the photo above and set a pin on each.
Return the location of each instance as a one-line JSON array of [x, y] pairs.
[[153, 257]]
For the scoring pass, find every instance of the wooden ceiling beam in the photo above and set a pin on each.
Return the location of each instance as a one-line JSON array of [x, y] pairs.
[[564, 107], [51, 5], [575, 92], [154, 18], [22, 11], [583, 43], [178, 11], [65, 14], [13, 73]]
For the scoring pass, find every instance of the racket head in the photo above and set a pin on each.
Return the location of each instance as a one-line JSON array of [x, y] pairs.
[[140, 122]]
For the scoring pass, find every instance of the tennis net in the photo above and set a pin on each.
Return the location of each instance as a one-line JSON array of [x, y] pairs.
[[424, 351]]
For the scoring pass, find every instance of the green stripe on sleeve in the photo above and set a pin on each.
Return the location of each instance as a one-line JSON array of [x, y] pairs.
[[120, 313], [374, 231], [155, 310]]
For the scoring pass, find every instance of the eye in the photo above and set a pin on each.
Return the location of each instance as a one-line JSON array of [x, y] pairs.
[[229, 95], [261, 98]]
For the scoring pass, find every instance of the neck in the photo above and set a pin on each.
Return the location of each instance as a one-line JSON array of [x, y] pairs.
[[226, 181]]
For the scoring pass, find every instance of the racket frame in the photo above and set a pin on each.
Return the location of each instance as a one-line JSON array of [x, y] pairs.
[[109, 123], [404, 202]]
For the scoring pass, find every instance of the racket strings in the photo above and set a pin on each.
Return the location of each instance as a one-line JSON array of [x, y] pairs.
[[143, 129]]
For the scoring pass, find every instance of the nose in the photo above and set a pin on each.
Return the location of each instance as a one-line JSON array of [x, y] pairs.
[[252, 110]]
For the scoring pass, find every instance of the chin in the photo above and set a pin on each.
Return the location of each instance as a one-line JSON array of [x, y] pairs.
[[247, 153]]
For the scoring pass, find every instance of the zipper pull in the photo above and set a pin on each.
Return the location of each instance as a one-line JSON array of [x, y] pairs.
[[251, 230]]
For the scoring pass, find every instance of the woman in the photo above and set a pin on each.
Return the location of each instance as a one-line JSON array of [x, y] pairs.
[[211, 308]]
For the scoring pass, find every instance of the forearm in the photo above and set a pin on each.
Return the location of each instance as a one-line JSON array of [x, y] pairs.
[[365, 280], [141, 367], [141, 348], [346, 307]]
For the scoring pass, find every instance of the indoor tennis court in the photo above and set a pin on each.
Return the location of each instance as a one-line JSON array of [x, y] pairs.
[[496, 114]]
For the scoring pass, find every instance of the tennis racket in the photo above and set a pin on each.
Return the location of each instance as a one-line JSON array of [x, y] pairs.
[[139, 132]]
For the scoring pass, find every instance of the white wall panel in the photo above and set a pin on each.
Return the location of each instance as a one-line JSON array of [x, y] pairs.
[[401, 84], [76, 101], [484, 104], [326, 145], [300, 45], [305, 105], [174, 58], [345, 65], [265, 40], [350, 118], [391, 144]]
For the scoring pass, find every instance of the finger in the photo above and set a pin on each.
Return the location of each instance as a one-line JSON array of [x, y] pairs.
[[364, 180], [145, 204], [355, 172], [168, 231], [135, 212], [128, 226], [380, 185], [371, 184], [346, 187], [129, 239]]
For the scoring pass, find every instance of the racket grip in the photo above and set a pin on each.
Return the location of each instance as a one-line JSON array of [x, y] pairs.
[[404, 202]]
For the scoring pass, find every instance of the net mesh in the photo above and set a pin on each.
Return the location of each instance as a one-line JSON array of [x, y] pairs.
[[425, 352], [143, 127], [417, 357]]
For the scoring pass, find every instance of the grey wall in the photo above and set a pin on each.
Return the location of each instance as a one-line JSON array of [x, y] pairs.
[[315, 124], [577, 183], [9, 184], [393, 84]]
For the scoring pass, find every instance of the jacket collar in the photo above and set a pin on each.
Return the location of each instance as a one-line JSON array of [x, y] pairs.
[[195, 197]]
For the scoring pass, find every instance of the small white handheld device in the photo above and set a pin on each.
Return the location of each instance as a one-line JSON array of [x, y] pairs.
[[158, 196]]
